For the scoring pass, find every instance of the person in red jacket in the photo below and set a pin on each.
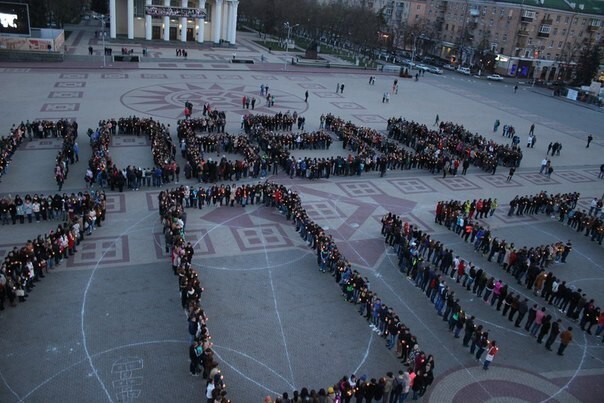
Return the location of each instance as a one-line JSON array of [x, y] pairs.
[[491, 352]]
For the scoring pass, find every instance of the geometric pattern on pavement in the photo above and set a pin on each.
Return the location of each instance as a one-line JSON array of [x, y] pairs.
[[63, 107], [371, 118], [129, 141], [73, 76], [266, 236], [167, 100], [327, 95], [153, 76], [359, 188], [115, 203], [457, 183], [538, 179], [504, 384], [499, 181], [108, 250], [312, 86], [46, 144], [66, 94], [347, 105], [70, 84], [323, 210], [574, 177], [411, 185]]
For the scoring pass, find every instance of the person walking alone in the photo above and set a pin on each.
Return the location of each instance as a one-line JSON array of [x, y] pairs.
[[565, 338], [589, 140]]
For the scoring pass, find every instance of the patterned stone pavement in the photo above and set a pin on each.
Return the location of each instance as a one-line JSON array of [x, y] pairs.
[[107, 325]]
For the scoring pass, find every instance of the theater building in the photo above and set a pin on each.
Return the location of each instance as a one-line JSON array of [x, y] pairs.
[[175, 20]]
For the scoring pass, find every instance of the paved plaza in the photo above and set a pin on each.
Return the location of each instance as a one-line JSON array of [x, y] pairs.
[[108, 326]]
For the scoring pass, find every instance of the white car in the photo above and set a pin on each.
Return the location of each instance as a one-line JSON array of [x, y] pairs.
[[495, 77], [434, 70], [464, 70], [422, 67]]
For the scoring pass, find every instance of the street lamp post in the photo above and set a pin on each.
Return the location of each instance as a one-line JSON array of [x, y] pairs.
[[103, 37], [289, 33]]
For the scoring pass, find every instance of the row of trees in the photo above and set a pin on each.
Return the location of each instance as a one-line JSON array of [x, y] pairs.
[[339, 21], [45, 13]]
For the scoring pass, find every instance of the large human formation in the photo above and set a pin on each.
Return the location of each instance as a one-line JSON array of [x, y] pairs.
[[202, 360], [8, 146], [452, 142], [428, 263], [23, 267], [381, 318], [564, 207]]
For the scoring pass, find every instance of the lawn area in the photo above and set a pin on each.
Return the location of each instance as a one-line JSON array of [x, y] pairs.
[[273, 45]]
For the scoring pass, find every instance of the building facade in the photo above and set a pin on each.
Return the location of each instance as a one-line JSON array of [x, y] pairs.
[[540, 39], [218, 25]]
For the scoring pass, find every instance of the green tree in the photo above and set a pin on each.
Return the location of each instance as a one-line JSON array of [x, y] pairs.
[[588, 65]]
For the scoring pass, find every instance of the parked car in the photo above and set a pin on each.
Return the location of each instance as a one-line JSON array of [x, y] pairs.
[[449, 67], [434, 70], [495, 77], [464, 70]]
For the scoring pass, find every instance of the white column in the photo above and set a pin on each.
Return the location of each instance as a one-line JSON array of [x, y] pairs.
[[167, 23], [130, 19], [201, 24], [183, 22], [148, 23], [112, 19], [233, 30], [229, 20], [217, 21]]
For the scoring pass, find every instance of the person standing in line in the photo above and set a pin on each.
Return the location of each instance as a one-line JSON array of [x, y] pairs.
[[565, 338], [589, 140], [491, 352], [553, 334]]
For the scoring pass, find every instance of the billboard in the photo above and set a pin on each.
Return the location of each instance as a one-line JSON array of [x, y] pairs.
[[14, 19]]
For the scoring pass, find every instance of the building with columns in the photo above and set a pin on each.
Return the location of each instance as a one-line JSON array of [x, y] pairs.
[[129, 18]]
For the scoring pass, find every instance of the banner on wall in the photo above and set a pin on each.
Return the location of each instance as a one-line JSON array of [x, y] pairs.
[[167, 11]]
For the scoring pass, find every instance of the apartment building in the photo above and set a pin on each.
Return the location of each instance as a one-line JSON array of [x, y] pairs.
[[539, 39]]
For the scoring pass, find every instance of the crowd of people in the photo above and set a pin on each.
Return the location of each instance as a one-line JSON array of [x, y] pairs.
[[69, 153], [380, 317], [459, 212], [202, 360], [564, 207], [527, 266], [8, 146], [23, 267], [453, 142]]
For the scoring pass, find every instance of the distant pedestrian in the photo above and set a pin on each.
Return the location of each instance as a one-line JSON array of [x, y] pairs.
[[511, 174], [306, 96], [341, 88], [496, 125], [516, 88], [532, 129], [565, 338], [91, 51], [337, 87], [437, 120], [589, 140]]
